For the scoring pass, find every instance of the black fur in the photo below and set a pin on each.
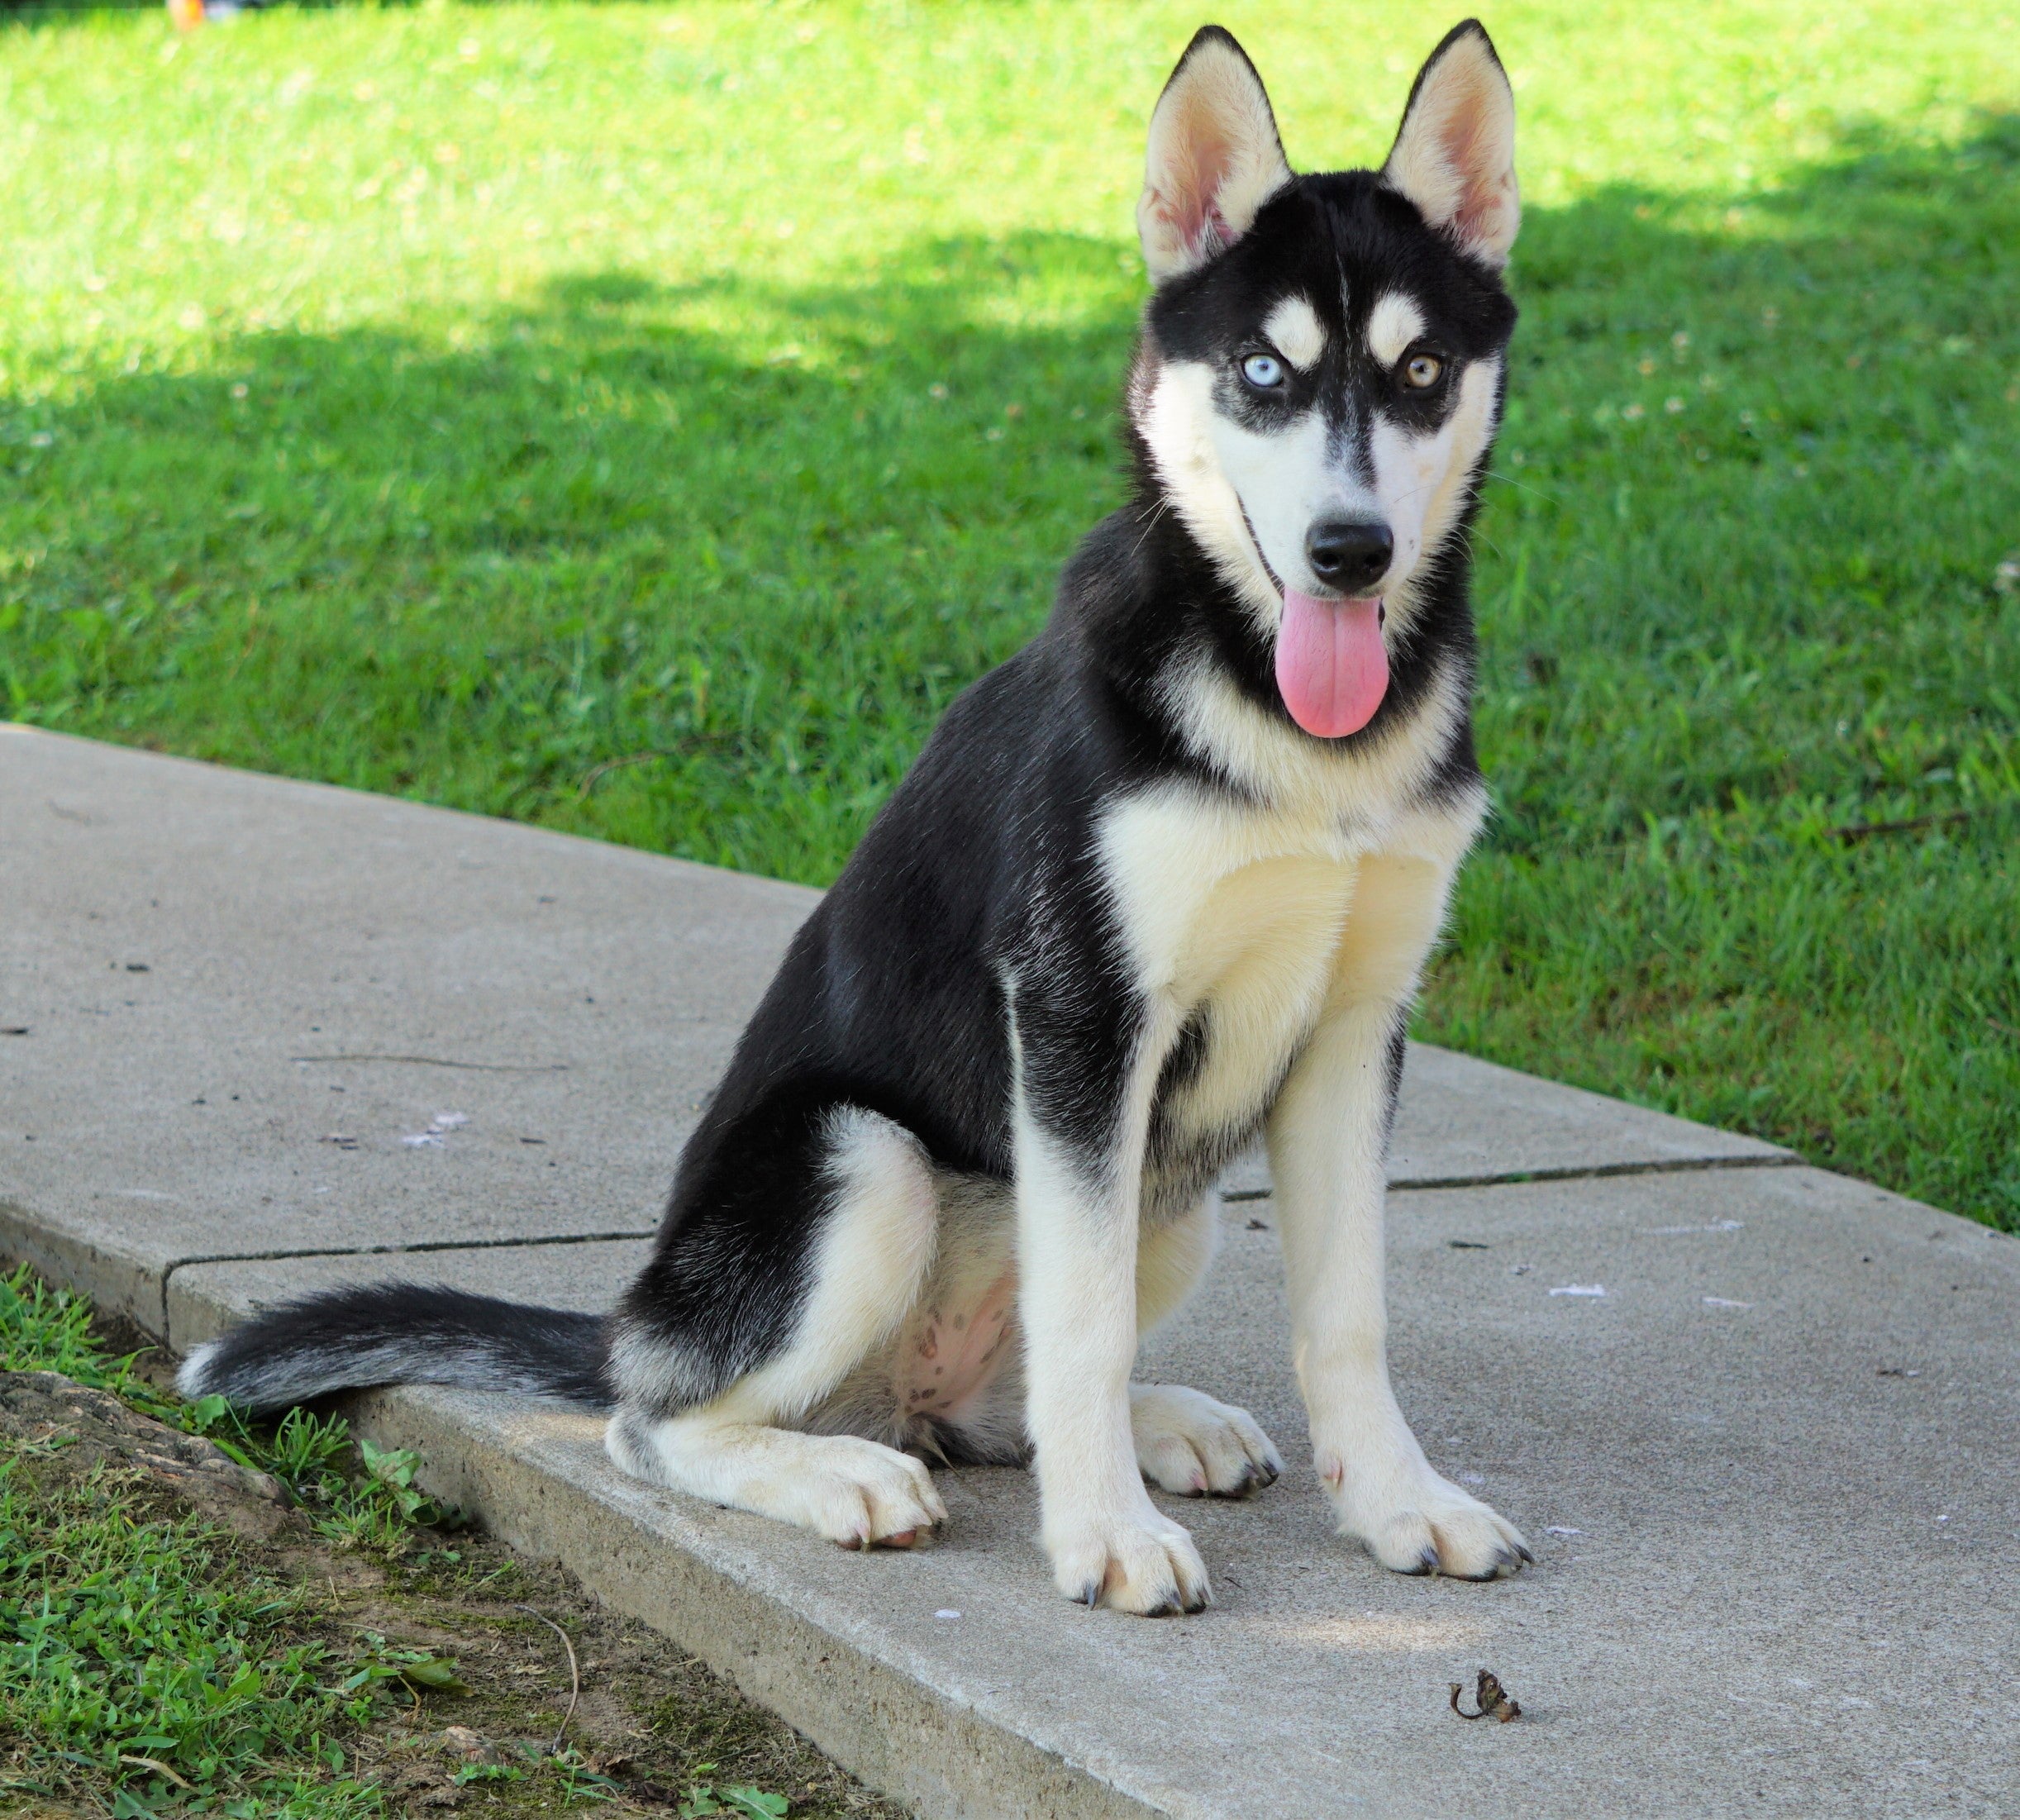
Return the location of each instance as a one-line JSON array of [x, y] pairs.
[[354, 1339]]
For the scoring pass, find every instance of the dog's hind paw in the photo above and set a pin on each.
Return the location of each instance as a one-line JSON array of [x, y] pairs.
[[1144, 1564], [855, 1492], [860, 1494], [1187, 1443]]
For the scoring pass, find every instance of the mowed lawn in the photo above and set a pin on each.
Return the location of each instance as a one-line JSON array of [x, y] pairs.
[[642, 420]]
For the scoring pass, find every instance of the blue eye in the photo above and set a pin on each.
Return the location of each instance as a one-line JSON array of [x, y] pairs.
[[1263, 371]]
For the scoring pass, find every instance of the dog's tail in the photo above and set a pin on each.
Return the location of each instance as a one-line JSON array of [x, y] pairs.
[[388, 1333]]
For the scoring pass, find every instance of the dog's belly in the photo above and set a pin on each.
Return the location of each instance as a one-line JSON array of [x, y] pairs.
[[954, 1349]]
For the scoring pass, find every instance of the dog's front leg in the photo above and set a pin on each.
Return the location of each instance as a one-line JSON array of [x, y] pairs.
[[1328, 1141], [1081, 1120]]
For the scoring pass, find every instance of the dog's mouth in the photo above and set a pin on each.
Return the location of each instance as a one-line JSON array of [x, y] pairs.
[[1332, 664]]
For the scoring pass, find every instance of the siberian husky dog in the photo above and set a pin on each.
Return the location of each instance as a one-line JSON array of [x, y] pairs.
[[1166, 879]]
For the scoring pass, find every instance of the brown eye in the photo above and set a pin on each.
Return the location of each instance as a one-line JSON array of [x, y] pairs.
[[1423, 370]]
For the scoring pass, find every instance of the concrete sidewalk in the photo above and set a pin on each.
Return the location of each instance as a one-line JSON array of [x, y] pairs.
[[274, 1035]]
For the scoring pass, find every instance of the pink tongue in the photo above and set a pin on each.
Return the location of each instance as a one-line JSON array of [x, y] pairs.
[[1332, 666]]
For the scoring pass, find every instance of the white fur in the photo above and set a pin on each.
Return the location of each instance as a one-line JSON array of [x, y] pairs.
[[1454, 153], [852, 1491], [1420, 481], [1187, 1443], [1294, 330], [192, 1374], [1326, 1146], [1317, 789], [1173, 1257], [875, 1250], [875, 1254], [1393, 323], [1172, 405]]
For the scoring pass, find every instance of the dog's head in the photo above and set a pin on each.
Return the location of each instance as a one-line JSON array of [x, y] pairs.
[[1322, 360]]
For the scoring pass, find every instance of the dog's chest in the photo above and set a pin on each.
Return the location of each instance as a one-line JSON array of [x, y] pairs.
[[1233, 919]]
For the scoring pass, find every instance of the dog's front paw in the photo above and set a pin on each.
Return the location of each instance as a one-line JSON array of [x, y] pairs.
[[1415, 1522], [1187, 1443], [1142, 1562]]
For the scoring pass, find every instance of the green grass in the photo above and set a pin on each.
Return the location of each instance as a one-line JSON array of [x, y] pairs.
[[151, 1660], [145, 1659], [453, 400]]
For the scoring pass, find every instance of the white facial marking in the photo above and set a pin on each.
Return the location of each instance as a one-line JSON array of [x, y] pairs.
[[1419, 476], [1393, 325], [1293, 329], [1213, 468]]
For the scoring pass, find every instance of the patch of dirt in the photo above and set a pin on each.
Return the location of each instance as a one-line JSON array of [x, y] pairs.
[[93, 1427]]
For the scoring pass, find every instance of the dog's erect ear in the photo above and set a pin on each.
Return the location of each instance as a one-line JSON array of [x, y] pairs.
[[1454, 153], [1215, 157]]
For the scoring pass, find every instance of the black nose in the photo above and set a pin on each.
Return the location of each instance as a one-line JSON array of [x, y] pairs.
[[1349, 553]]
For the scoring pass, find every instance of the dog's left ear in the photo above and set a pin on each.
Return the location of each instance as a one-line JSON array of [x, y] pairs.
[[1454, 153], [1215, 157]]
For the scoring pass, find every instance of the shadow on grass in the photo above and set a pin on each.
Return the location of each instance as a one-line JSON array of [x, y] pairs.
[[697, 567], [770, 533]]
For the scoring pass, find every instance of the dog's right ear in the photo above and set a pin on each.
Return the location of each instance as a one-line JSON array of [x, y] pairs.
[[1215, 157]]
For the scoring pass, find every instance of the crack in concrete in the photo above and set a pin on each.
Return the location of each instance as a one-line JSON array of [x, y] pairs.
[[1582, 1172], [444, 1061], [381, 1250], [1779, 1159]]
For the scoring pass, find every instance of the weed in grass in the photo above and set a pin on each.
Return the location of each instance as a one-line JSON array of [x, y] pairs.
[[642, 423], [45, 1329]]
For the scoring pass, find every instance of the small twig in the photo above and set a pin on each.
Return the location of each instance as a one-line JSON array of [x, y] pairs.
[[160, 1768], [574, 1676], [1861, 830], [596, 773]]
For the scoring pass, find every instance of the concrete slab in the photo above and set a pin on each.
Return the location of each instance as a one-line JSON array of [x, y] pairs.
[[247, 1001], [250, 1012], [1772, 1473]]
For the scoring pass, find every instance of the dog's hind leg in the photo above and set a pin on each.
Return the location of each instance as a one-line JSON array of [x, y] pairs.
[[1187, 1442], [868, 1261]]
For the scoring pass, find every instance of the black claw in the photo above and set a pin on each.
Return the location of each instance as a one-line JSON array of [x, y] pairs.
[[1169, 1608], [1090, 1594], [1426, 1562], [1522, 1549]]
